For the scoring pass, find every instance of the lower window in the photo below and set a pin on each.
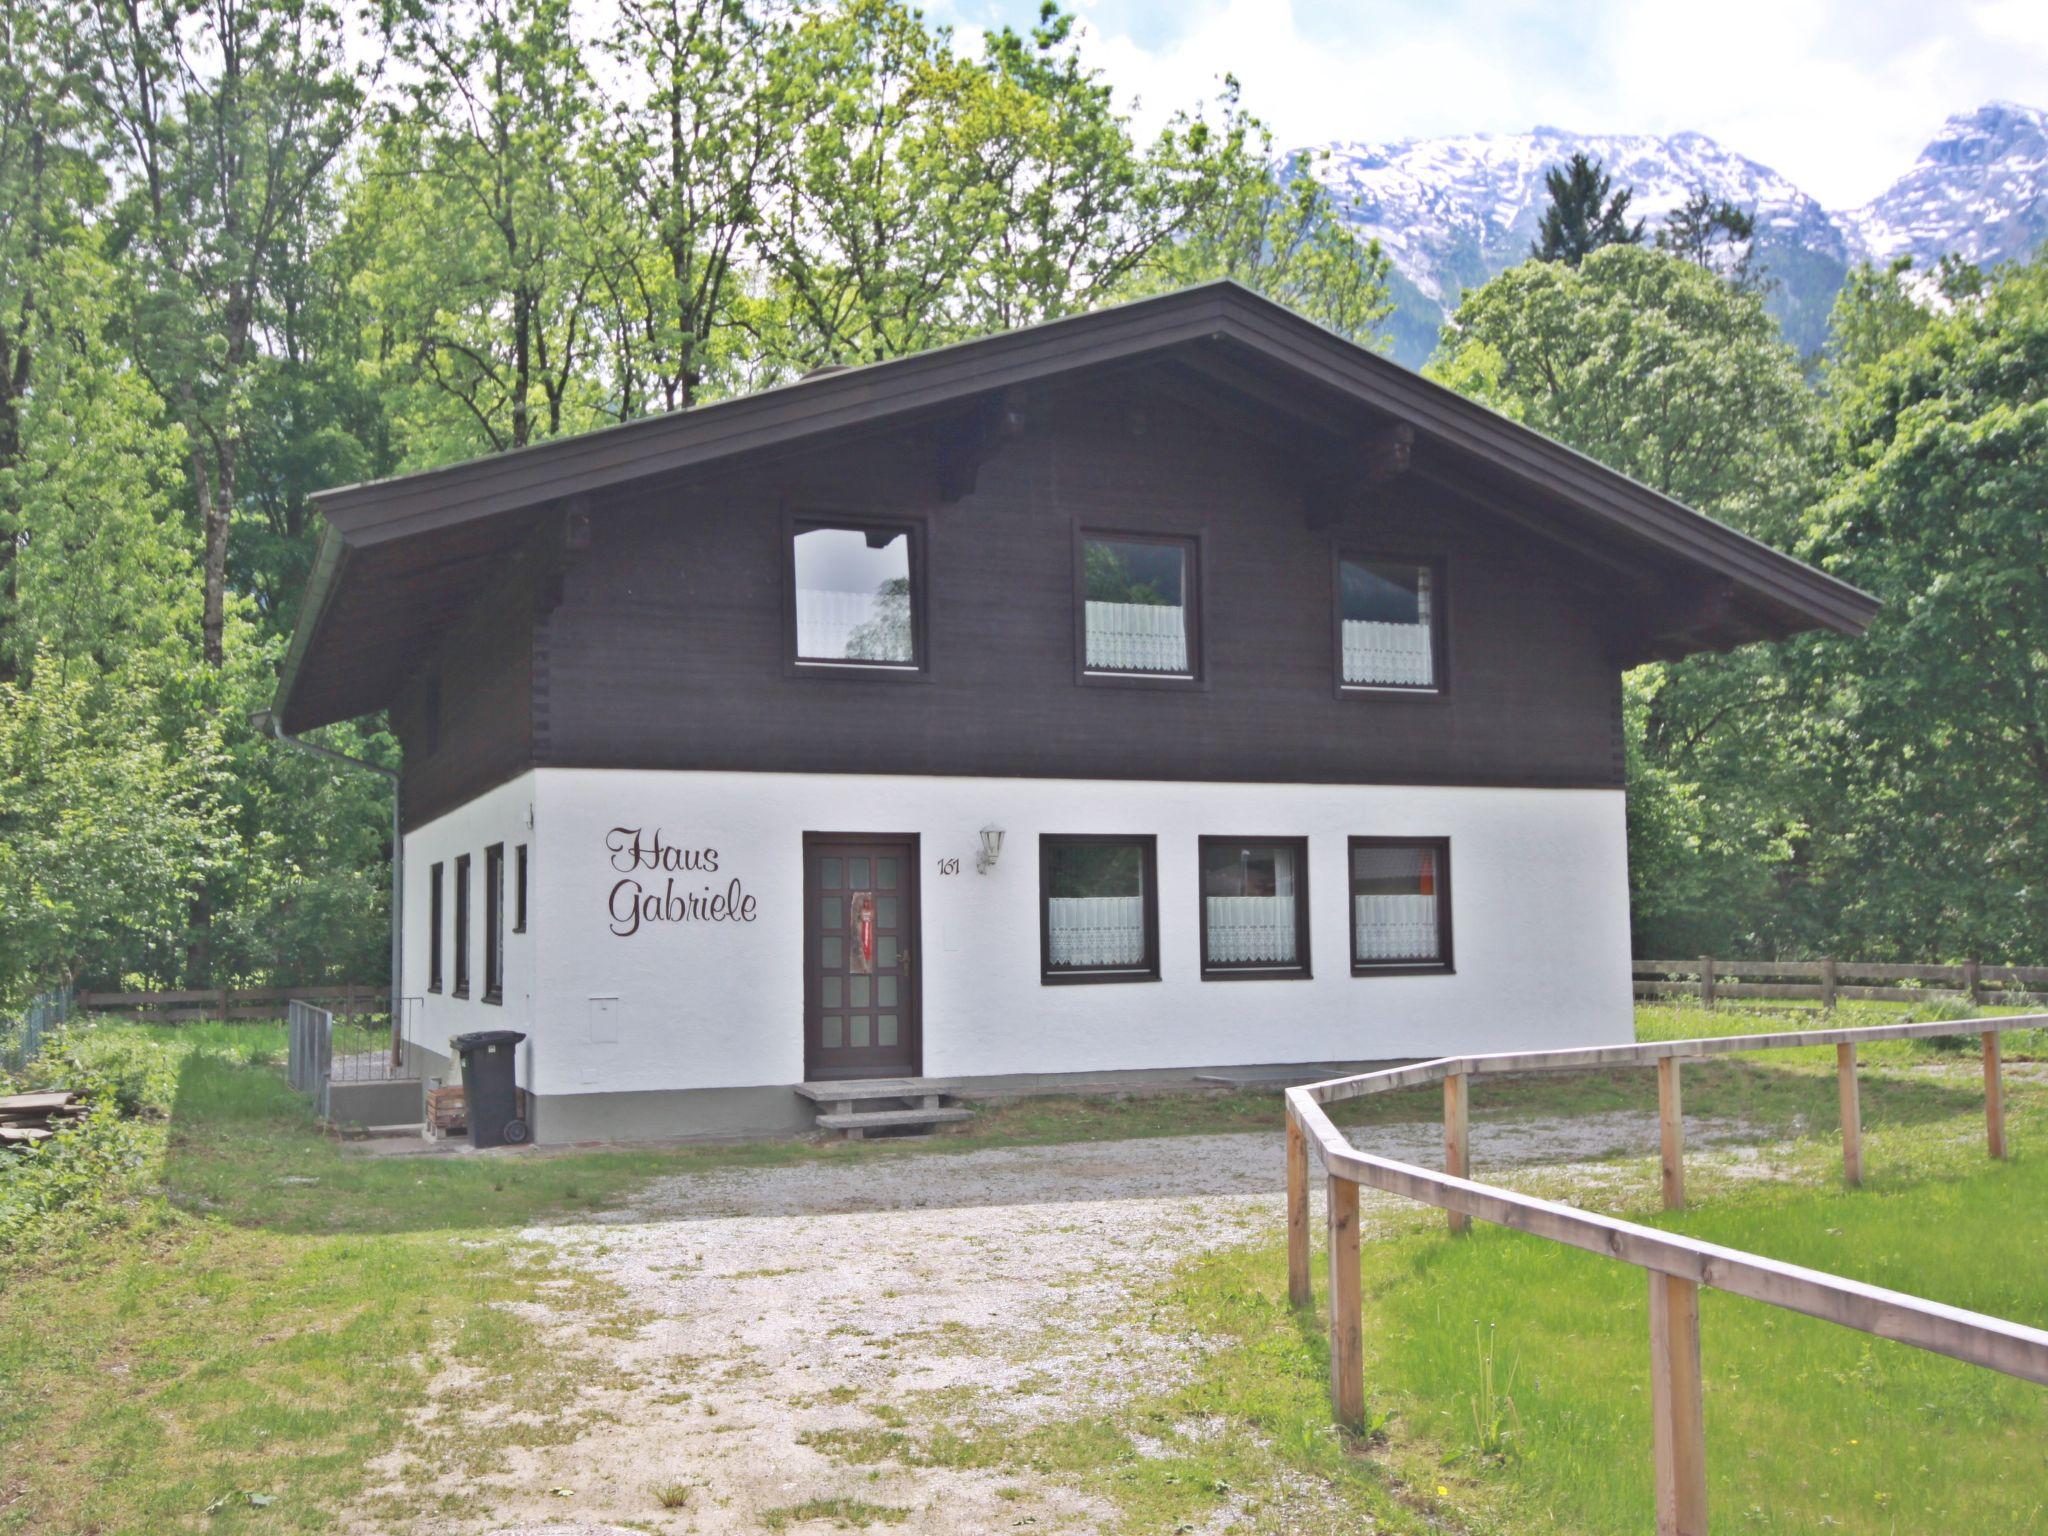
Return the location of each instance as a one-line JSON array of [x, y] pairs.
[[1098, 908], [1254, 907], [1400, 905]]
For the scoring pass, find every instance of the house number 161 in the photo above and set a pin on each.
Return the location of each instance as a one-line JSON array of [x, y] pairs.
[[949, 866]]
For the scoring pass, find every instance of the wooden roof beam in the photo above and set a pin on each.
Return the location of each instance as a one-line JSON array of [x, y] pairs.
[[1687, 616], [1375, 458], [970, 441], [1603, 552], [1285, 397]]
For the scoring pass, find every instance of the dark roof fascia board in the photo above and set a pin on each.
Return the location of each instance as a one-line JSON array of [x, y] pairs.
[[322, 582], [387, 509], [1457, 422]]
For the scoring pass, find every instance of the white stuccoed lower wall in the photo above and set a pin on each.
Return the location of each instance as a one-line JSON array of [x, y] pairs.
[[1538, 877], [498, 815]]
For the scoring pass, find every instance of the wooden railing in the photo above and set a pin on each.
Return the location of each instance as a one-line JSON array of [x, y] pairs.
[[1677, 1266], [353, 1000], [1712, 978]]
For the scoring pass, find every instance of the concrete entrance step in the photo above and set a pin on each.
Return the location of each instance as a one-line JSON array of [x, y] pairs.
[[856, 1123], [850, 1090]]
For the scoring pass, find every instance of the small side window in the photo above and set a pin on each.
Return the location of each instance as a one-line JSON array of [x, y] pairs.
[[519, 889], [434, 929], [494, 923], [461, 988]]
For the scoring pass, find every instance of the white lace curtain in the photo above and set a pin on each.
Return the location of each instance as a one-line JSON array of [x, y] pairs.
[[853, 626], [1253, 929], [1396, 927], [1394, 655], [1137, 637], [1096, 931]]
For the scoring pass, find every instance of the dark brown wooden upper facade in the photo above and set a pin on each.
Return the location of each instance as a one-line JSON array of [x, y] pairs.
[[622, 599]]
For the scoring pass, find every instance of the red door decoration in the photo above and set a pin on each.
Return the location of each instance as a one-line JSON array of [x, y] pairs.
[[861, 919]]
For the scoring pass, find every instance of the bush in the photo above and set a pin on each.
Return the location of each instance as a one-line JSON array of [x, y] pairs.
[[82, 1176], [140, 1075], [1942, 1010], [70, 1183]]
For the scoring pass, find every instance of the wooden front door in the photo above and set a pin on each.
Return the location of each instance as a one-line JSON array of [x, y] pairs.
[[860, 957]]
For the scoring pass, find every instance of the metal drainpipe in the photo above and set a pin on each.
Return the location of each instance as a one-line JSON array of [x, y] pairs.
[[267, 724]]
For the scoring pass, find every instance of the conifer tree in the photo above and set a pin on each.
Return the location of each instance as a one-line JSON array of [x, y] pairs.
[[1583, 216], [1713, 233]]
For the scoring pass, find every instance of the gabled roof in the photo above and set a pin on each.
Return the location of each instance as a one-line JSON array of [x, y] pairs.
[[441, 531]]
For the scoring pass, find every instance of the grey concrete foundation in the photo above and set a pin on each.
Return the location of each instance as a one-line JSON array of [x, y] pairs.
[[765, 1110], [394, 1101]]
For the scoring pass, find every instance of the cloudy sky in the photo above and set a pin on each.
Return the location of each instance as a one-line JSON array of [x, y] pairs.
[[1839, 95]]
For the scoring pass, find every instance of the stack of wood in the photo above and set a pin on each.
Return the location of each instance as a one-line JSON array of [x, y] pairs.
[[28, 1118]]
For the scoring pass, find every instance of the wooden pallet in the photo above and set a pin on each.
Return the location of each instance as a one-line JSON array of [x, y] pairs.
[[447, 1111]]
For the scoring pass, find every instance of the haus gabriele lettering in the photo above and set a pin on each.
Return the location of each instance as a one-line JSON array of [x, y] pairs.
[[636, 900]]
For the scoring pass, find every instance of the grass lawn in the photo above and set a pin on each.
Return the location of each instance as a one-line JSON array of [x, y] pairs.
[[248, 1315], [1507, 1377]]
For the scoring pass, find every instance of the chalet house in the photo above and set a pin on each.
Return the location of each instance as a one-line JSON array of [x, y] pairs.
[[1173, 689]]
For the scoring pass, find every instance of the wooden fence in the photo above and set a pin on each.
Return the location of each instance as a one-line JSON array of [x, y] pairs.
[[349, 1000], [1676, 1266], [1711, 978]]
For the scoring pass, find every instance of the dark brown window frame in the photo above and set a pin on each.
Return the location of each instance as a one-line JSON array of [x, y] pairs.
[[1051, 976], [494, 923], [435, 911], [1256, 970], [805, 518], [1196, 606], [1439, 622], [519, 888], [1446, 962], [461, 985]]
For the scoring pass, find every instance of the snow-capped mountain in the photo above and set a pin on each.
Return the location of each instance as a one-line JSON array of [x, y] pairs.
[[1452, 212], [1980, 189]]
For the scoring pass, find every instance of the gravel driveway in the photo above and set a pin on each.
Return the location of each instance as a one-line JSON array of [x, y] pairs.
[[776, 1320]]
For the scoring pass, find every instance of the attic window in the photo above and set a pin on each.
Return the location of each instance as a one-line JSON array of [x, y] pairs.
[[856, 597], [1390, 625], [1138, 611]]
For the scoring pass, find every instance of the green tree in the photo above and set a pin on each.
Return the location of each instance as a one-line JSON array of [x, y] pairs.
[[482, 213], [223, 118], [1236, 213], [1713, 233], [104, 830], [1660, 369], [1941, 442], [696, 126], [1653, 366], [1582, 215]]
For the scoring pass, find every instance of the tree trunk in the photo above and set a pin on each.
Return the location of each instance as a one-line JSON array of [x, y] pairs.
[[214, 485], [522, 364]]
